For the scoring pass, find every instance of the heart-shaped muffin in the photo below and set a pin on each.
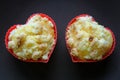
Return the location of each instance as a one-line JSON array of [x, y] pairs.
[[87, 41], [33, 41]]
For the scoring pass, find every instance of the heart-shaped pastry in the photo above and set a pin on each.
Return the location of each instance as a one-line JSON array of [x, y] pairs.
[[87, 41], [33, 41]]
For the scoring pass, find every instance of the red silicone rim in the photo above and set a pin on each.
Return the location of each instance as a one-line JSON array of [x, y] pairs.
[[14, 27], [74, 58]]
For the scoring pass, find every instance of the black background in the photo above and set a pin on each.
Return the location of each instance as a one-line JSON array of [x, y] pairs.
[[60, 66]]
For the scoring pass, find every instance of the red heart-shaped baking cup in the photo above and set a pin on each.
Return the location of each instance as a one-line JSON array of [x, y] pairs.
[[31, 60], [76, 59]]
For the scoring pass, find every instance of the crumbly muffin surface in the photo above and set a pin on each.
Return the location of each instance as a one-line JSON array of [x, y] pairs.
[[87, 39], [32, 40]]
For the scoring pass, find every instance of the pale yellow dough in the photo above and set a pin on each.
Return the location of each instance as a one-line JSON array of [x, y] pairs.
[[33, 40], [87, 39]]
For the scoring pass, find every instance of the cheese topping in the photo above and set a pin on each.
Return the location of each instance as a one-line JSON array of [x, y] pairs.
[[87, 39], [33, 40]]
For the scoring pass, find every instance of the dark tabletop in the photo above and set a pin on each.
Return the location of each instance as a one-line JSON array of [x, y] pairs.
[[60, 66]]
